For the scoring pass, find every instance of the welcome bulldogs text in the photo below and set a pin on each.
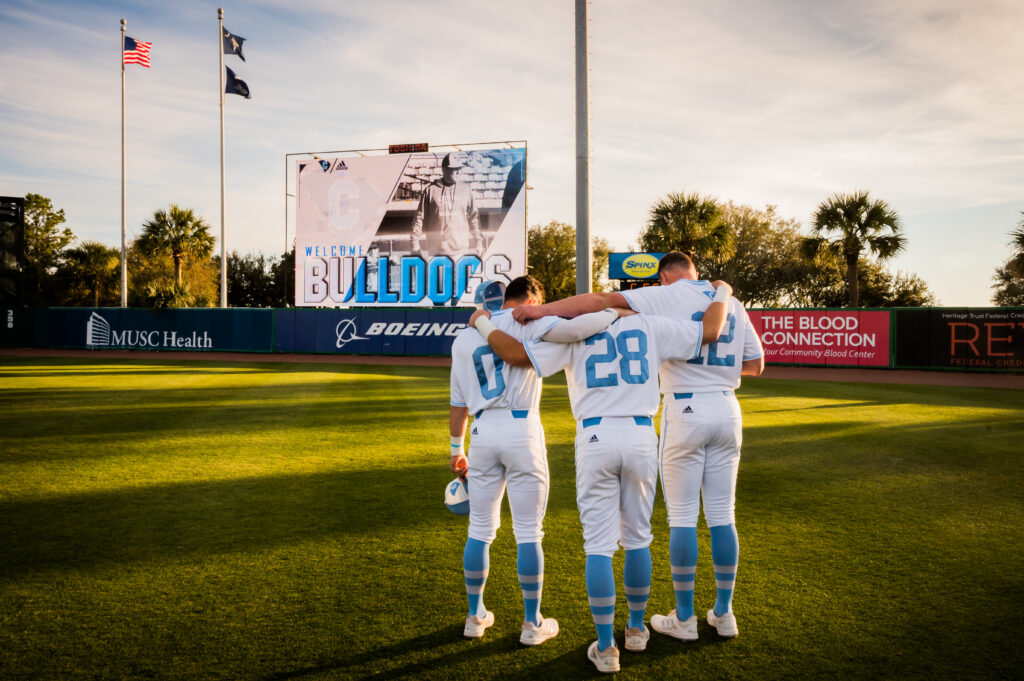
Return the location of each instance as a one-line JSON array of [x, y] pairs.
[[439, 281]]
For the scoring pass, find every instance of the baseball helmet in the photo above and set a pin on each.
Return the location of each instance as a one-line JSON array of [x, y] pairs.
[[456, 496], [490, 295]]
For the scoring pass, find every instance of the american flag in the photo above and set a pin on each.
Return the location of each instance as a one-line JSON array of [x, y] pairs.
[[136, 52]]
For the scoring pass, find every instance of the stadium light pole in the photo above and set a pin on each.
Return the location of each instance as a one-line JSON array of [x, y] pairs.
[[583, 255]]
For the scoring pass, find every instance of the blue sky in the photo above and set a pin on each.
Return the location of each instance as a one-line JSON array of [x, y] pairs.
[[786, 102]]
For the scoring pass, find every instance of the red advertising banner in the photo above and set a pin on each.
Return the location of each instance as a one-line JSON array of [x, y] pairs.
[[827, 338]]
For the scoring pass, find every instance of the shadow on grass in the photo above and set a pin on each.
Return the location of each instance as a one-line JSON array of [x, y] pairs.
[[172, 521]]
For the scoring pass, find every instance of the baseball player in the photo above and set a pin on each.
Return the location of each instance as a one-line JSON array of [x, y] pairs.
[[613, 390], [507, 450], [701, 434]]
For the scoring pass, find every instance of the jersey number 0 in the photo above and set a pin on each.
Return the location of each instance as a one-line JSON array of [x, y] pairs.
[[482, 374]]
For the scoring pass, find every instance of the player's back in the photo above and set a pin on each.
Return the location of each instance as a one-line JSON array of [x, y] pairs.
[[719, 364], [481, 380], [614, 372]]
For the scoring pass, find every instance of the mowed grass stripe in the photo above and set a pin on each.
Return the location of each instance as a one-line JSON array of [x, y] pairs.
[[242, 520]]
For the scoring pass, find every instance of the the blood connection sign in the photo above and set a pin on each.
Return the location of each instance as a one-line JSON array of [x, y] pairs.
[[824, 337]]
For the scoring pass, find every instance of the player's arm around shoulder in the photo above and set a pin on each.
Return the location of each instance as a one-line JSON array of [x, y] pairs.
[[505, 346], [717, 313]]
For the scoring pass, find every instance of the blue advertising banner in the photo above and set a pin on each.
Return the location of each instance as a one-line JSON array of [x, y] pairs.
[[369, 331], [633, 265], [238, 330]]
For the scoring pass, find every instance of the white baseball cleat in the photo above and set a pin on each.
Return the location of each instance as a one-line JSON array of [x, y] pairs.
[[606, 661], [533, 635], [636, 639], [670, 625], [725, 624], [475, 626]]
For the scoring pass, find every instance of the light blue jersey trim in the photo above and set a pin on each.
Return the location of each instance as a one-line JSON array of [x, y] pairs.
[[533, 360], [747, 359], [700, 337], [458, 404]]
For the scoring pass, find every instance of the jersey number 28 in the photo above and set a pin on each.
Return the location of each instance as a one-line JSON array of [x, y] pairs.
[[625, 356]]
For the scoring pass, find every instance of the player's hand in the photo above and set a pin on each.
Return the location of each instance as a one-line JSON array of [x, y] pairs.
[[459, 465], [624, 311], [718, 283], [526, 313], [477, 315]]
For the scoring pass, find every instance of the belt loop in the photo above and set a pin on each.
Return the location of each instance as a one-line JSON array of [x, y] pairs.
[[591, 422], [642, 420], [520, 413], [683, 396]]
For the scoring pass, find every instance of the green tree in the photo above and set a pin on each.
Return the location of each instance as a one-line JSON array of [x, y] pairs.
[[1016, 263], [251, 280], [151, 281], [1009, 287], [851, 224], [91, 273], [691, 223], [283, 272], [766, 268], [178, 233], [45, 242], [552, 259]]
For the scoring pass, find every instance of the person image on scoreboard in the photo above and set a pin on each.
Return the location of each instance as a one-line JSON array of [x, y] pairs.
[[701, 431], [613, 390], [506, 452], [446, 220]]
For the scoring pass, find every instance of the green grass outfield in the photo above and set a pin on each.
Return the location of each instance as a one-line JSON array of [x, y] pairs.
[[206, 520]]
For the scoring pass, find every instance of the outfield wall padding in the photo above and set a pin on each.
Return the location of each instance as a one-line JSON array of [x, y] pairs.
[[362, 331], [960, 339], [950, 339]]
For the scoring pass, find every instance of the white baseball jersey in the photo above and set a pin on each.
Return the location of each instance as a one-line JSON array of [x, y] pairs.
[[613, 389], [481, 380], [612, 373], [719, 364], [506, 448]]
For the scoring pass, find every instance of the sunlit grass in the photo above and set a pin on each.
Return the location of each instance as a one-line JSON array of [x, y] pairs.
[[270, 521]]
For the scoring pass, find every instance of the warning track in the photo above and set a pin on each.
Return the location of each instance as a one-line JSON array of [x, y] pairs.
[[891, 376]]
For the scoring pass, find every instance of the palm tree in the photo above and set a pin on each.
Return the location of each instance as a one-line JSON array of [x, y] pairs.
[[95, 267], [847, 225], [1016, 263], [179, 233], [690, 223]]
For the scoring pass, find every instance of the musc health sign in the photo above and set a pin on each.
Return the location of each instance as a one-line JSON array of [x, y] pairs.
[[840, 338]]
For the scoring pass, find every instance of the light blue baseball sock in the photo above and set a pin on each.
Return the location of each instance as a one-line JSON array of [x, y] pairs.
[[476, 562], [725, 554], [682, 555], [601, 594], [636, 577], [530, 566]]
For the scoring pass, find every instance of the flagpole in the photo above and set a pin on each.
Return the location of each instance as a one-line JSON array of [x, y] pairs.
[[124, 238], [223, 250]]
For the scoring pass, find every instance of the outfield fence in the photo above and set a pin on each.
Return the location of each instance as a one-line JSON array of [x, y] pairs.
[[950, 339]]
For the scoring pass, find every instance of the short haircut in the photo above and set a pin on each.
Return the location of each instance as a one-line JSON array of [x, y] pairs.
[[675, 260], [521, 288]]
